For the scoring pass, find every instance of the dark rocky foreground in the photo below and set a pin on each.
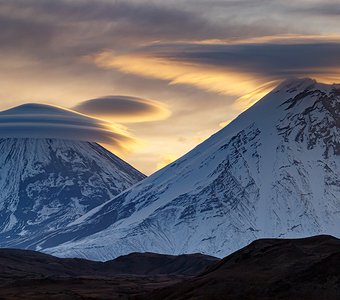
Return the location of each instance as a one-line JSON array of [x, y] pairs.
[[266, 269], [28, 274]]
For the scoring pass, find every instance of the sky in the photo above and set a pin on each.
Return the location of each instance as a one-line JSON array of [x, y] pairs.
[[166, 74]]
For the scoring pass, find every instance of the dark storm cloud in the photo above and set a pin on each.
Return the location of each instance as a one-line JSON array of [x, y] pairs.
[[124, 108], [66, 28], [275, 60], [324, 8], [17, 31], [95, 24]]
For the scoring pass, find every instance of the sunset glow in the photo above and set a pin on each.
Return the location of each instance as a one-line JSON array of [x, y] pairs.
[[172, 72]]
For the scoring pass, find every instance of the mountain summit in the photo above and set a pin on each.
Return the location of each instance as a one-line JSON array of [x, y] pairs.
[[272, 172], [46, 183]]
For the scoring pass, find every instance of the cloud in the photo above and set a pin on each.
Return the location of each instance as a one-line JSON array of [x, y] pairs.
[[46, 121], [325, 8], [230, 68], [186, 53], [275, 60], [150, 65], [17, 34], [83, 25], [124, 109], [55, 30]]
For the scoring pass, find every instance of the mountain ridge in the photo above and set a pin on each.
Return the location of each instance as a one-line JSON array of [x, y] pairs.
[[265, 269], [272, 172], [47, 183]]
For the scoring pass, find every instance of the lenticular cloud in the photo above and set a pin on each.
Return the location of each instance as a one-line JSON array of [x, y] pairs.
[[46, 121], [124, 109]]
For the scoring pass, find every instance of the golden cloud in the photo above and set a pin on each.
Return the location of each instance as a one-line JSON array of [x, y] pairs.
[[209, 78], [249, 99], [247, 68]]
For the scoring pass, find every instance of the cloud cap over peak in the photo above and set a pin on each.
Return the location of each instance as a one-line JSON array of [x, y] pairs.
[[124, 109], [34, 120]]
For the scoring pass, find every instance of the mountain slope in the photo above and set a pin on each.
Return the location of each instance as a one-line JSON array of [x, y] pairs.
[[272, 172], [47, 183]]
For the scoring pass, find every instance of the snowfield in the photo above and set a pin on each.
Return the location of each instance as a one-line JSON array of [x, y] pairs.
[[48, 183], [272, 172]]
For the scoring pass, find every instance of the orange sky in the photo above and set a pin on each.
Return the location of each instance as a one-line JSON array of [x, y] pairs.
[[175, 71]]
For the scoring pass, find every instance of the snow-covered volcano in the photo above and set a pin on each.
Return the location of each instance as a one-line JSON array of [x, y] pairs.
[[47, 183], [272, 172]]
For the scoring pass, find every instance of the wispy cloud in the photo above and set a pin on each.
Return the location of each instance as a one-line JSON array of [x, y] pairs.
[[208, 77], [203, 60], [249, 69]]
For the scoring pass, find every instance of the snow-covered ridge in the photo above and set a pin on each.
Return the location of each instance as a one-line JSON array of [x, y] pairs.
[[47, 183], [272, 172]]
